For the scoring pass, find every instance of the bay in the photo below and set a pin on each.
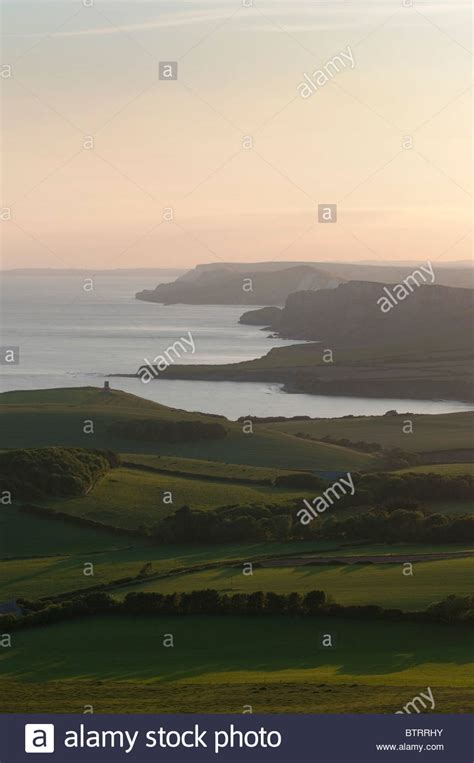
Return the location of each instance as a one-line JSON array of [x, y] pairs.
[[70, 337]]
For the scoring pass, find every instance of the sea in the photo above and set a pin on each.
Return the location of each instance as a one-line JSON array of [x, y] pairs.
[[72, 332]]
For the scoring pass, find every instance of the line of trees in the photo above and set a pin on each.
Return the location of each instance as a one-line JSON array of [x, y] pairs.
[[225, 525], [399, 525], [453, 609], [49, 513], [280, 523], [422, 486]]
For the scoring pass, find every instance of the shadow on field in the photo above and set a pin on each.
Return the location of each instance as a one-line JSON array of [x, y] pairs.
[[126, 648]]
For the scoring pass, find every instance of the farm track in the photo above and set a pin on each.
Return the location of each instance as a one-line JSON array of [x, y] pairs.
[[367, 559]]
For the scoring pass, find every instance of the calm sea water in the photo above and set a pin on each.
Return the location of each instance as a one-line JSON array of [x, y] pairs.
[[70, 337]]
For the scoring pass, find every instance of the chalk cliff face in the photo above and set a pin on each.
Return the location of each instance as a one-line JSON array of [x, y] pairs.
[[232, 285], [352, 315]]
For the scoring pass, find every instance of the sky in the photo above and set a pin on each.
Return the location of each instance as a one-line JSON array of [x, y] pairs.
[[105, 165]]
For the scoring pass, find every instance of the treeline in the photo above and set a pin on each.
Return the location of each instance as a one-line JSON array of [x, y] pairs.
[[453, 609], [416, 485], [38, 473], [158, 430], [399, 525], [224, 525], [381, 487], [344, 442], [74, 519], [279, 523]]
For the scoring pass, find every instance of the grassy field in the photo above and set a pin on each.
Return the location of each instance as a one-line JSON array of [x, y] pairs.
[[218, 664], [49, 575], [128, 498], [436, 432], [116, 557], [258, 657], [199, 467], [26, 535], [282, 696], [452, 470], [352, 584], [56, 417]]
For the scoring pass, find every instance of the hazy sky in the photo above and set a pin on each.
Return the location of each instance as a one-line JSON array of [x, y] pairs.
[[86, 72]]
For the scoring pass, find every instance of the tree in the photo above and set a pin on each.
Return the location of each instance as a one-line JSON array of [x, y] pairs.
[[314, 601]]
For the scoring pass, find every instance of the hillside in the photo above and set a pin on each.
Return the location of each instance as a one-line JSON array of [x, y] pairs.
[[59, 417], [432, 433]]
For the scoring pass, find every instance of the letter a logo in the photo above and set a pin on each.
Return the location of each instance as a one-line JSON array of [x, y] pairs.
[[39, 737]]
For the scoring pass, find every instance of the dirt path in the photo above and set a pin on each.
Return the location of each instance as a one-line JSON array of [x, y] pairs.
[[299, 561]]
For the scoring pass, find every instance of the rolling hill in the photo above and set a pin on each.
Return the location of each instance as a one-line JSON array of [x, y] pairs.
[[87, 417]]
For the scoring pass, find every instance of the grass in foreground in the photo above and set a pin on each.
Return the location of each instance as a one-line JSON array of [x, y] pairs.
[[71, 696], [208, 648]]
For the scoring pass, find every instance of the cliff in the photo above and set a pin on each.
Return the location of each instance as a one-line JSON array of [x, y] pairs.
[[228, 285], [352, 316], [270, 283]]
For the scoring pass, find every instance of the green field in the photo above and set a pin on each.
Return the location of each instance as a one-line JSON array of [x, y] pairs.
[[56, 417], [452, 470], [221, 663], [212, 654], [128, 498], [384, 585], [116, 557], [25, 535], [434, 432], [40, 576], [199, 467]]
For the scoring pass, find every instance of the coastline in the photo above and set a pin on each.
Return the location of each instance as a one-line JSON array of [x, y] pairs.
[[301, 369]]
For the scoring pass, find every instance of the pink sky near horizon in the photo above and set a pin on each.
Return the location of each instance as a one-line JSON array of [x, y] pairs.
[[79, 72]]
